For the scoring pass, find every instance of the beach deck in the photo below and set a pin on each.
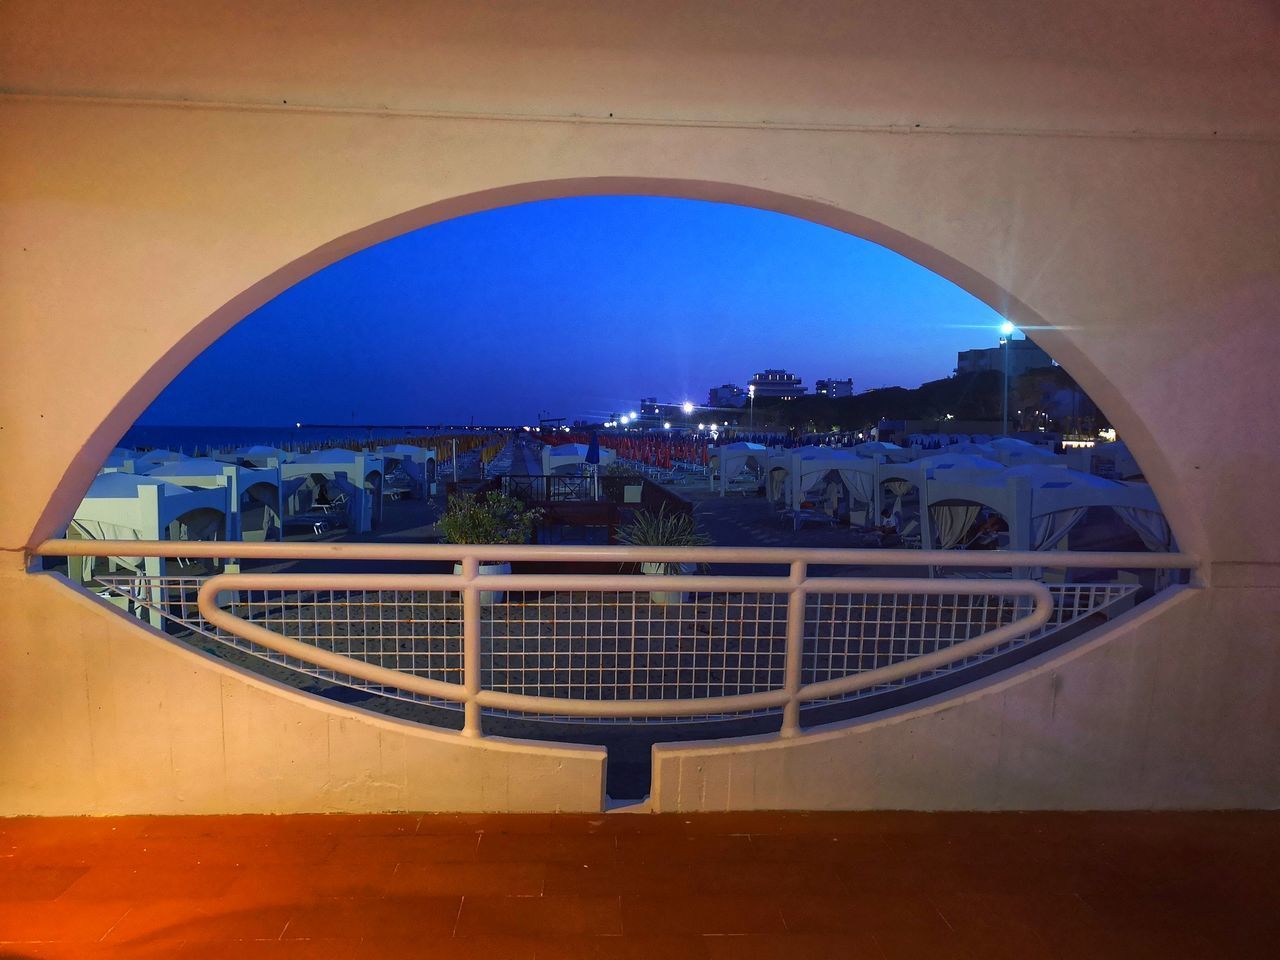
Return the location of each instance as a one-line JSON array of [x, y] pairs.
[[854, 886]]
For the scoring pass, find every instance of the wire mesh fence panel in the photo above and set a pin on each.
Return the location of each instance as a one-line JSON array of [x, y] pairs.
[[615, 645], [417, 633], [847, 634], [624, 646]]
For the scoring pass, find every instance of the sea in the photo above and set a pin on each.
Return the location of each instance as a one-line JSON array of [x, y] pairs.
[[186, 438]]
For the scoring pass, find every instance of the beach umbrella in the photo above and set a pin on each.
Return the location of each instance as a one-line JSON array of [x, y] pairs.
[[593, 458]]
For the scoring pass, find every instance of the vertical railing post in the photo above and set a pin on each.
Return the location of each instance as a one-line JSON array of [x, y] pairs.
[[471, 646], [796, 600]]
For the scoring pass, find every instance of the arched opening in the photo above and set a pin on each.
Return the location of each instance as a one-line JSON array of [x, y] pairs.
[[344, 488], [1056, 340]]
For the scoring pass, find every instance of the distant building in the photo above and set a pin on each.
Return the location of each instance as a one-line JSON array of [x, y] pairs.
[[649, 412], [777, 383], [1023, 356], [834, 388], [727, 395]]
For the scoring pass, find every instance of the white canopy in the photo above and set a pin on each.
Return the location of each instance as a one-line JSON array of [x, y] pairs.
[[811, 465], [118, 460], [877, 448], [730, 459], [260, 455], [570, 458], [412, 466], [122, 506], [1040, 503], [145, 461], [358, 475], [1013, 452], [247, 486]]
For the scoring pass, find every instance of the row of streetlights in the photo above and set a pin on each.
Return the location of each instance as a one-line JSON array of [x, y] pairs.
[[1007, 329]]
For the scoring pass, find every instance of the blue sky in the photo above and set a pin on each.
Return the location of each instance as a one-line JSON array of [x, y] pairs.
[[578, 307]]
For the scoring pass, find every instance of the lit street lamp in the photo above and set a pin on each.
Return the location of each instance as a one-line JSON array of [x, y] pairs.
[[751, 397], [1006, 335]]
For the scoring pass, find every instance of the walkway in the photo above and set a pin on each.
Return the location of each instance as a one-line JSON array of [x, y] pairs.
[[740, 886]]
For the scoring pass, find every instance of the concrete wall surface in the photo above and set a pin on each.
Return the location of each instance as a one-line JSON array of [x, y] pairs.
[[1107, 175], [104, 716], [1162, 709]]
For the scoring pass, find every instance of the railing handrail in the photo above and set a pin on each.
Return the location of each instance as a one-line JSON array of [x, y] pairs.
[[1053, 559], [470, 693]]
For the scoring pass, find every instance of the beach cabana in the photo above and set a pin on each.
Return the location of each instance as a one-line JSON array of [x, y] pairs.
[[358, 476], [118, 460], [898, 478], [815, 473], [731, 459], [142, 462], [1040, 503], [255, 497], [890, 452], [122, 506], [258, 455], [409, 470], [570, 459], [1013, 452], [1115, 461]]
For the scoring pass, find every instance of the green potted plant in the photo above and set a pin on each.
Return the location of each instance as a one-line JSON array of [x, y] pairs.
[[487, 519], [663, 529]]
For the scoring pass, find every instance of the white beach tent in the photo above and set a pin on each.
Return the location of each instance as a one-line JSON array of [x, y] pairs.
[[417, 464], [357, 475], [122, 506], [570, 458], [257, 492], [1013, 452], [898, 478], [118, 460], [891, 452], [812, 469], [258, 455], [1114, 460], [731, 459], [1040, 504], [142, 462]]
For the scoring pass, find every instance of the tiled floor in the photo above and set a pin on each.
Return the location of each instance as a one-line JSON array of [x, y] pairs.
[[740, 886]]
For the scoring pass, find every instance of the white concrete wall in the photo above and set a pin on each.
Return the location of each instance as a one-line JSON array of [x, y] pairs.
[[1107, 174], [1161, 709], [103, 716]]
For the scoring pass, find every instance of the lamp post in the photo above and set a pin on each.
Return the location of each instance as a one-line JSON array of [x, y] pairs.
[[751, 398], [1006, 335]]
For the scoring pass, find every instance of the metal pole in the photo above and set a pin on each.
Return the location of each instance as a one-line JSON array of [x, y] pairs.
[[471, 647], [795, 651], [1004, 391], [454, 441]]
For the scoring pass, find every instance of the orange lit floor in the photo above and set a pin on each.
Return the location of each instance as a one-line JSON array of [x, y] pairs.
[[737, 886]]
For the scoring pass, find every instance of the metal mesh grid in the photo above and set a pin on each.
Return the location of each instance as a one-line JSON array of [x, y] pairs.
[[418, 632], [853, 633], [620, 645], [615, 645]]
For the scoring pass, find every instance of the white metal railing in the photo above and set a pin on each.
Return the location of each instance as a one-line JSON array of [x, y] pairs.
[[795, 639]]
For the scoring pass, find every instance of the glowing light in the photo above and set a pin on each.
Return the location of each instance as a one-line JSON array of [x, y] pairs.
[[666, 425], [624, 419], [633, 415], [688, 407], [1007, 328], [702, 426]]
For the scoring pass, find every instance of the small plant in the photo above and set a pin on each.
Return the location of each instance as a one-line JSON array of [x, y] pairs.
[[623, 471], [491, 518], [663, 529]]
